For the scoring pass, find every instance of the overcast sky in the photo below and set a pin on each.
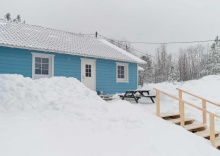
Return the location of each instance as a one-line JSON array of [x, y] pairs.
[[135, 20]]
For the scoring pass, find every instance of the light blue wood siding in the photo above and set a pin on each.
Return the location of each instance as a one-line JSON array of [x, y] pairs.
[[106, 77], [15, 61], [19, 61]]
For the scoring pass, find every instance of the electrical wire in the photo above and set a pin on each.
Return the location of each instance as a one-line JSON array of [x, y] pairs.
[[119, 42], [124, 45]]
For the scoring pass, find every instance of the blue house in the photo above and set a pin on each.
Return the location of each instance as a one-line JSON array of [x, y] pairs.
[[38, 52]]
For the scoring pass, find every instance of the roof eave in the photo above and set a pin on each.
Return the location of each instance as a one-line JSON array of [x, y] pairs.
[[60, 52]]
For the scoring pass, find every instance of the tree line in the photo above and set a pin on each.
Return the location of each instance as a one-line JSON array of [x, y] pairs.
[[189, 63], [9, 18], [192, 62]]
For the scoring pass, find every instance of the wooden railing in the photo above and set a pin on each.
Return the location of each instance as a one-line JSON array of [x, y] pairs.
[[182, 114], [204, 102]]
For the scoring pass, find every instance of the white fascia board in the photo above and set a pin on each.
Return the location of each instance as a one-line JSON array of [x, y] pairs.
[[59, 52]]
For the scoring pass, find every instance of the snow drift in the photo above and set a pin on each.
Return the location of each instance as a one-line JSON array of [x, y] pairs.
[[19, 93], [61, 117]]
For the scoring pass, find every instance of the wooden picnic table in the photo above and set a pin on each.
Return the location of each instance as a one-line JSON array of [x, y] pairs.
[[132, 94]]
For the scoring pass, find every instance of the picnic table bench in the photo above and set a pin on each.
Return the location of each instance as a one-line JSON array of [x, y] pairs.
[[106, 97], [132, 94]]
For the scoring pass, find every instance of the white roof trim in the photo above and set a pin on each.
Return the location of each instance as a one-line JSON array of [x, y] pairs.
[[140, 68], [137, 59]]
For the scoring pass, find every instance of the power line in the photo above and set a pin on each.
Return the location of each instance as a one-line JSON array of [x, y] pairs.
[[86, 34], [173, 42], [124, 45], [176, 42], [119, 42]]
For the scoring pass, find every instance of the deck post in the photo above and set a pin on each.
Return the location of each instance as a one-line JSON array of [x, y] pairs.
[[158, 103], [180, 97], [204, 112], [212, 129], [182, 121]]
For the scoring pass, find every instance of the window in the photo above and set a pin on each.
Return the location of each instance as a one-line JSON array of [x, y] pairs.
[[121, 72], [88, 70], [42, 65]]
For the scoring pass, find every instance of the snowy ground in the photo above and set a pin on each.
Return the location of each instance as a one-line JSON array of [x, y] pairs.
[[61, 117]]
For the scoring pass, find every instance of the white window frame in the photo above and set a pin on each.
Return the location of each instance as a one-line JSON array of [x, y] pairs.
[[126, 76], [51, 65]]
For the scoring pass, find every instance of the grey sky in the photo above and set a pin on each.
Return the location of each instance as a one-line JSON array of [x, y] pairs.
[[135, 20]]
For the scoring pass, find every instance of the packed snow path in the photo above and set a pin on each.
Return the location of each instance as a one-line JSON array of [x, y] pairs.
[[44, 118]]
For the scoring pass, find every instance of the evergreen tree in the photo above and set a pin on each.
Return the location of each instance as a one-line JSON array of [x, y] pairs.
[[173, 75], [18, 18], [212, 66], [146, 75], [8, 16]]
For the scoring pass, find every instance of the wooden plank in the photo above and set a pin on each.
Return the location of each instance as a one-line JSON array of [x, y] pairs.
[[206, 133], [170, 115], [214, 103], [182, 114], [185, 102], [178, 120], [204, 112], [158, 102], [180, 97], [194, 126], [212, 129]]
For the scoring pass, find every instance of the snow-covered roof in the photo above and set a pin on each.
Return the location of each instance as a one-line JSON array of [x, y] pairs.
[[20, 35], [140, 68]]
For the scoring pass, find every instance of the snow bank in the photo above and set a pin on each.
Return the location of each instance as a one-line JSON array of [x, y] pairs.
[[60, 116], [19, 93]]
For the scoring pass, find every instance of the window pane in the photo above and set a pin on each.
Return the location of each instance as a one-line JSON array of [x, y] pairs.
[[45, 60], [119, 74], [37, 66], [37, 71], [122, 70], [88, 70], [37, 59], [45, 72], [45, 66]]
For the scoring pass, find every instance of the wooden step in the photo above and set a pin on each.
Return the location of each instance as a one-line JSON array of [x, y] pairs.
[[177, 121], [217, 142], [170, 115], [195, 127], [206, 133]]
